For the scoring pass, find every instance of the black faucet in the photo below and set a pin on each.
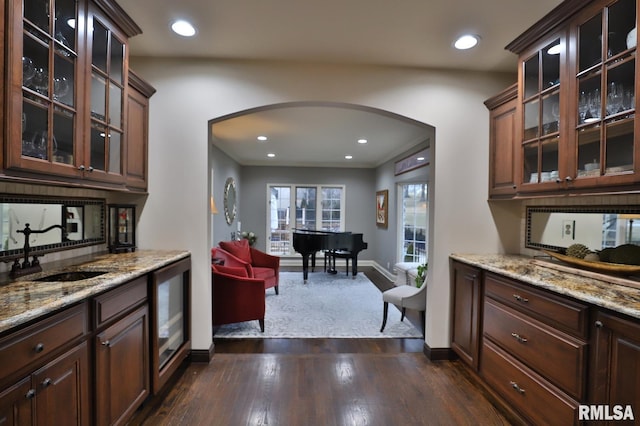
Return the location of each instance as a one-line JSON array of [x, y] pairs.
[[33, 266]]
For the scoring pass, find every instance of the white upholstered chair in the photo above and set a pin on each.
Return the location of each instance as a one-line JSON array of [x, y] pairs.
[[405, 297]]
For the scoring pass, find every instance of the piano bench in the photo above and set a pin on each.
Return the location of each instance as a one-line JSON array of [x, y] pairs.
[[342, 254]]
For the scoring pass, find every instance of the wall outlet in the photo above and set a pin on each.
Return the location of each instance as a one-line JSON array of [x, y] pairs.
[[569, 229]]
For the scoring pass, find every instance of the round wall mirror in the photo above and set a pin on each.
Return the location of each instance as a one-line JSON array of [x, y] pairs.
[[230, 200]]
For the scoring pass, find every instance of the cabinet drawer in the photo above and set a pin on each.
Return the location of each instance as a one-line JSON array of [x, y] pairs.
[[557, 311], [36, 342], [527, 392], [120, 300], [558, 357]]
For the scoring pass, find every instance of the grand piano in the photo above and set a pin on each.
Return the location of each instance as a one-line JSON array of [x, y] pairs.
[[337, 244]]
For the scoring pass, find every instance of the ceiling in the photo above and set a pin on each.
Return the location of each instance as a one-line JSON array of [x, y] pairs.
[[328, 133], [410, 33]]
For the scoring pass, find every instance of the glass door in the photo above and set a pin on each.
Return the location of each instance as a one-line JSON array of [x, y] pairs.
[[170, 320], [46, 138], [104, 157], [542, 106], [606, 96]]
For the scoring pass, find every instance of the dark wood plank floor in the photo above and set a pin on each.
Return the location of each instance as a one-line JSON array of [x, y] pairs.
[[323, 382]]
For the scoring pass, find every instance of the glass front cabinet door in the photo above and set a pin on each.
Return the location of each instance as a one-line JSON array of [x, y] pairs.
[[543, 139], [606, 151], [576, 99], [107, 53], [67, 74], [45, 72]]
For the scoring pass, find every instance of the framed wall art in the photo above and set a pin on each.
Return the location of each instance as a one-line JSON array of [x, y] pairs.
[[382, 208]]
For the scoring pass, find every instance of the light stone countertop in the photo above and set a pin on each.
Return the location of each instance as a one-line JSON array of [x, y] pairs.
[[599, 292], [24, 299]]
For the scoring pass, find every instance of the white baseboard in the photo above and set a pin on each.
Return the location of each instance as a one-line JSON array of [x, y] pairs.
[[384, 271]]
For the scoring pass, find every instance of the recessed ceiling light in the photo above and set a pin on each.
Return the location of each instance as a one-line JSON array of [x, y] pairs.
[[348, 157], [362, 141], [271, 155], [420, 158], [262, 138], [466, 41], [183, 28]]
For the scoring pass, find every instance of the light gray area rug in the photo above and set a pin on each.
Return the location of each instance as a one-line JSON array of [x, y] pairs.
[[328, 306]]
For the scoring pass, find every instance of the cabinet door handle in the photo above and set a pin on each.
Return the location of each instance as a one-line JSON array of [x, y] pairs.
[[90, 169], [81, 167], [30, 394], [38, 348], [46, 382], [516, 387], [599, 324], [520, 298], [106, 343], [519, 338], [568, 179]]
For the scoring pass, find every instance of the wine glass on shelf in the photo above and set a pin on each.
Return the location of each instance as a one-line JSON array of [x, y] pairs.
[[60, 88], [614, 98], [41, 81], [583, 106], [28, 71], [629, 100], [595, 106], [555, 113]]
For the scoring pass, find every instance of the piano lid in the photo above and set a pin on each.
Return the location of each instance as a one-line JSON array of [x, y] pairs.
[[315, 231]]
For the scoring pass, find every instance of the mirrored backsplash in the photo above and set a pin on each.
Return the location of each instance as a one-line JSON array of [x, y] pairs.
[[597, 227], [67, 223]]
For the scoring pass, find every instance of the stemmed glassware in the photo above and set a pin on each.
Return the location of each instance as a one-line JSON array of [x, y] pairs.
[[60, 88], [615, 98], [555, 112], [589, 106], [41, 81], [28, 71]]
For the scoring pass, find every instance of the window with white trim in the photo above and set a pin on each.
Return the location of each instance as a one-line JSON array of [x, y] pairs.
[[313, 207]]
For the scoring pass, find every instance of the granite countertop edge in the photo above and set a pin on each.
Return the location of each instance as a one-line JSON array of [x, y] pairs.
[[24, 299], [616, 297]]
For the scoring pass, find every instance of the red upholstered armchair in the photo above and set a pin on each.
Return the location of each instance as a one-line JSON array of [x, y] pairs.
[[257, 263], [236, 297]]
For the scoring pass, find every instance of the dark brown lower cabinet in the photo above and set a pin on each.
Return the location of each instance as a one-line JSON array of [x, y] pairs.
[[16, 403], [467, 299], [122, 368], [615, 368], [57, 393], [534, 350], [91, 364], [62, 389]]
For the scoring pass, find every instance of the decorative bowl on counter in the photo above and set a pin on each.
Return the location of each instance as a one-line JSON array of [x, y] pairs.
[[603, 267]]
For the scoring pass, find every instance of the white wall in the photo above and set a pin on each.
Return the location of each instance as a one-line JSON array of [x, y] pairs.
[[189, 93]]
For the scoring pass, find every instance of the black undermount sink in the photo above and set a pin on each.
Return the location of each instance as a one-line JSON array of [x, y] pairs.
[[71, 276]]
